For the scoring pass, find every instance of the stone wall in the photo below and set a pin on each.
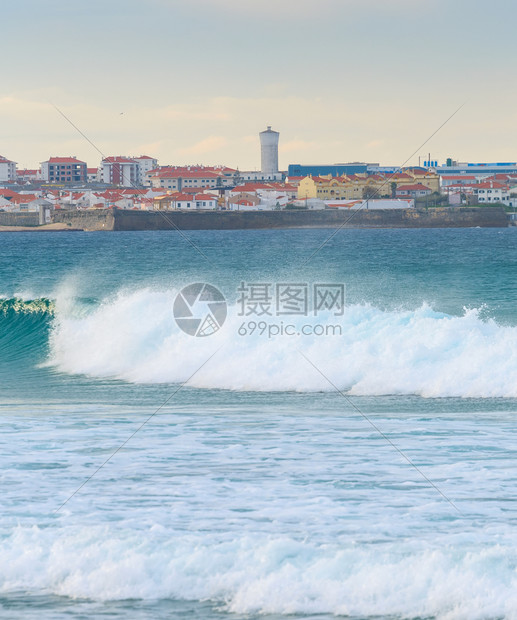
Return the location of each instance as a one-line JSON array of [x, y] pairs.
[[95, 219], [459, 217], [118, 219], [19, 219]]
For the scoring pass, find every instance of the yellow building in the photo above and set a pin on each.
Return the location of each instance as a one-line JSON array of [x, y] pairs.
[[427, 178], [307, 188], [360, 186], [340, 188], [355, 187]]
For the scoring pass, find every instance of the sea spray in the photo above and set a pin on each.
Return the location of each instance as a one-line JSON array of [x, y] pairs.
[[133, 336]]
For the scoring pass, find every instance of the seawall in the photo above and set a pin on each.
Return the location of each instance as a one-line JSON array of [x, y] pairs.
[[19, 219], [96, 219], [457, 217], [119, 219]]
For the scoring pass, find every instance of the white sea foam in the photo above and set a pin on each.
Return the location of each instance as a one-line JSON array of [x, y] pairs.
[[275, 575], [133, 336]]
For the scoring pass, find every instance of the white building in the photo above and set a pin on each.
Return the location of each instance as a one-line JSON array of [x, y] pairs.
[[257, 175], [145, 165], [6, 205], [119, 171], [92, 175], [492, 191], [246, 205], [127, 171], [269, 151], [194, 202], [414, 191], [454, 180], [7, 170], [179, 179], [27, 176]]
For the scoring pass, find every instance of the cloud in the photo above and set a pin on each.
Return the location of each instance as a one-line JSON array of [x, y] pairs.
[[18, 108], [374, 144], [334, 128], [294, 146], [208, 145], [149, 148]]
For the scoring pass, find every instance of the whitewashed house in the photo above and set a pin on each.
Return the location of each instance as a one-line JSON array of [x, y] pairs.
[[492, 191]]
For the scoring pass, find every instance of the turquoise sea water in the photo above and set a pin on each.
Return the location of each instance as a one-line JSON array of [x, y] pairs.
[[268, 486]]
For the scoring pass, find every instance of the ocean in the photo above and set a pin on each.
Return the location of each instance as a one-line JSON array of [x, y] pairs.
[[280, 460]]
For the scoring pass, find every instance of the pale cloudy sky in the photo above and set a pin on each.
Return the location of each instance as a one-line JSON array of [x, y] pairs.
[[194, 81]]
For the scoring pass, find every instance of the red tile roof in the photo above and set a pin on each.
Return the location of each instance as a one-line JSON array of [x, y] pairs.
[[183, 197], [64, 160], [7, 193], [185, 174], [419, 172], [117, 160], [222, 169], [23, 198], [504, 177], [491, 185], [190, 171]]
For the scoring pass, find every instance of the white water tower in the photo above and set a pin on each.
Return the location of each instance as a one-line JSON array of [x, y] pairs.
[[269, 151]]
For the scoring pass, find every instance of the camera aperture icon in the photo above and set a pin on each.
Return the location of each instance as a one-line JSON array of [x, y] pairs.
[[200, 309]]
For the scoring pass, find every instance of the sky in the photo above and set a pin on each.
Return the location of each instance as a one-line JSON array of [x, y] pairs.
[[195, 81]]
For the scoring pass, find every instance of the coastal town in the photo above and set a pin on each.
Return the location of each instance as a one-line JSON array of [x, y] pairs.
[[142, 183]]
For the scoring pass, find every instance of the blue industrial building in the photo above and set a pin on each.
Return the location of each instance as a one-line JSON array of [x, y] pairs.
[[479, 169], [336, 170]]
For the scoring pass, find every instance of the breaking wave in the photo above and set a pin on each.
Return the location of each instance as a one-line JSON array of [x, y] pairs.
[[133, 336], [263, 575]]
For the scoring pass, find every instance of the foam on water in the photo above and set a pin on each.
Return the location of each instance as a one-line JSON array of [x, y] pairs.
[[261, 501], [268, 575], [133, 336]]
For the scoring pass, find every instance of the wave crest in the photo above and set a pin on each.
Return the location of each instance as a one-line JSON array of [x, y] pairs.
[[17, 305], [134, 337]]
